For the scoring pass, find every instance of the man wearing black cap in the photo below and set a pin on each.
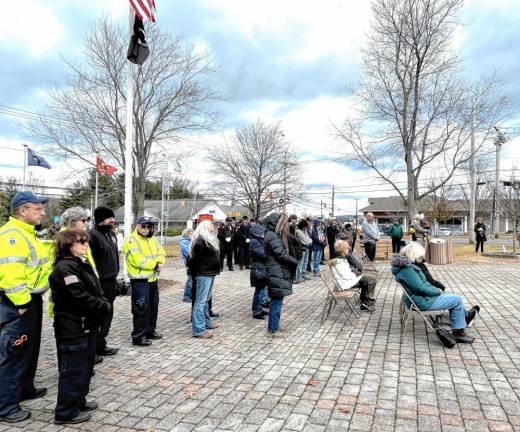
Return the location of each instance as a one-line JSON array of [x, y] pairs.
[[103, 244], [24, 273], [226, 235]]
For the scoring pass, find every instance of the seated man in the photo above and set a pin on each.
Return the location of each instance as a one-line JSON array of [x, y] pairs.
[[367, 281], [428, 297]]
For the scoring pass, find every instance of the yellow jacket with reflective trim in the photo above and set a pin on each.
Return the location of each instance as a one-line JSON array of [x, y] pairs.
[[142, 256], [24, 262]]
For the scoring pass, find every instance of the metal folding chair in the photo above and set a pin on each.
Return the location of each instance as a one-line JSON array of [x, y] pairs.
[[431, 318], [346, 299], [360, 255]]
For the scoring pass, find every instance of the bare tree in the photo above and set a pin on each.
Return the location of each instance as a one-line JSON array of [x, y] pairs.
[[440, 204], [256, 167], [413, 106], [509, 204], [172, 97]]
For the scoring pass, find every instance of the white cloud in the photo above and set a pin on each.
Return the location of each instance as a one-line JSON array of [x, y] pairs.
[[31, 24]]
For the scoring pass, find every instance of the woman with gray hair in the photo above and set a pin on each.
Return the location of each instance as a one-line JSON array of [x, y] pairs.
[[203, 265], [428, 297], [74, 217]]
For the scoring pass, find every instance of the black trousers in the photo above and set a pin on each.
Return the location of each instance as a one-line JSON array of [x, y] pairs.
[[145, 307], [20, 341], [480, 243], [75, 364], [243, 255], [108, 286], [396, 245], [226, 252], [370, 250], [309, 262]]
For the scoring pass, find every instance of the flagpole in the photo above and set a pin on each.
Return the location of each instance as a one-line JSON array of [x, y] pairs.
[[24, 164], [97, 186], [129, 141]]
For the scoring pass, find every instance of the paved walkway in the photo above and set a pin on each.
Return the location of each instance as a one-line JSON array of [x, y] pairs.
[[330, 377]]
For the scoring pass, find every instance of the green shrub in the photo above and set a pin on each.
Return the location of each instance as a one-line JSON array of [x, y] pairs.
[[173, 231]]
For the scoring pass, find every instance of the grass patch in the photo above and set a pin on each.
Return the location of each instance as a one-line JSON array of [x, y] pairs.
[[172, 250], [466, 253]]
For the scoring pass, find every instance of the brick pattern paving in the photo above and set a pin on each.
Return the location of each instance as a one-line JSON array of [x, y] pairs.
[[330, 377]]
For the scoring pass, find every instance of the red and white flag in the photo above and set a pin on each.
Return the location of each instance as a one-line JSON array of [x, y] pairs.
[[103, 168], [144, 9]]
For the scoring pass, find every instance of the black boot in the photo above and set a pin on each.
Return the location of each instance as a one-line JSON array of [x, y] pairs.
[[462, 337], [472, 314]]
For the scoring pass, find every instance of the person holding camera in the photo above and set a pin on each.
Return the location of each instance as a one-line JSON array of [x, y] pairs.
[[480, 235], [145, 258]]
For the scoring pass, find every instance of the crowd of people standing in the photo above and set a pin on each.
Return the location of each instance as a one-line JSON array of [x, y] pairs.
[[81, 265]]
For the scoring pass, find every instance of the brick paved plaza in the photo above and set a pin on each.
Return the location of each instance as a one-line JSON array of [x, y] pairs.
[[328, 377]]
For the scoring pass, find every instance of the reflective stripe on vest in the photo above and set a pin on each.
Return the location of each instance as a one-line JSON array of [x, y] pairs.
[[35, 262]]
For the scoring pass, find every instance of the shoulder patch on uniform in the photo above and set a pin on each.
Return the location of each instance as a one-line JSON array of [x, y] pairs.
[[12, 241], [69, 280]]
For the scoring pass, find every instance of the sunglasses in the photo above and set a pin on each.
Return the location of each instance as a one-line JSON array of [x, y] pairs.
[[146, 226], [82, 241]]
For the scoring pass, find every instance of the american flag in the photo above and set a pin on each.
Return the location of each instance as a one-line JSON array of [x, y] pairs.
[[144, 9]]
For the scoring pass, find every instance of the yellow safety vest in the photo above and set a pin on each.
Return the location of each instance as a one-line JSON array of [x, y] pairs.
[[24, 262], [142, 256]]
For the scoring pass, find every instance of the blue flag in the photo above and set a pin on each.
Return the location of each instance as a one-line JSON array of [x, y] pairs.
[[34, 159]]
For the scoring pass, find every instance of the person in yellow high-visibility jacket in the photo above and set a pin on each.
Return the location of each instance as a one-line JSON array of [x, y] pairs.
[[24, 273], [145, 258]]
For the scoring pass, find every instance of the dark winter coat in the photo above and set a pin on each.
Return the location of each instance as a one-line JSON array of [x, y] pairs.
[[295, 247], [480, 231], [280, 265], [203, 260], [332, 232], [429, 276], [242, 234], [79, 305], [258, 274], [318, 236], [423, 293], [226, 231], [103, 246]]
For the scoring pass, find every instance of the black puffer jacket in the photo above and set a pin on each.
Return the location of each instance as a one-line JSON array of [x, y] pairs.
[[79, 305], [203, 260], [258, 275], [103, 245], [280, 265]]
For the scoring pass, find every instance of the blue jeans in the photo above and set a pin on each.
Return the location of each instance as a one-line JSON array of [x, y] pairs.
[[302, 264], [186, 298], [264, 297], [316, 259], [455, 304], [201, 321], [258, 298], [274, 315]]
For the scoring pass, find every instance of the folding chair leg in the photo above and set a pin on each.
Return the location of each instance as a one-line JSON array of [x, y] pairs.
[[327, 305], [406, 318]]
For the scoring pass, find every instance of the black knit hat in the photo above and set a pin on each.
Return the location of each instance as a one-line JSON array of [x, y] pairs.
[[101, 213]]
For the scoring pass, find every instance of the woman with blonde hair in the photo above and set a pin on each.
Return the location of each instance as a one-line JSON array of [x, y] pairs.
[[428, 297], [203, 265]]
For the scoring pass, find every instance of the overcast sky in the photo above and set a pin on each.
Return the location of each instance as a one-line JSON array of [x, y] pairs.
[[288, 61]]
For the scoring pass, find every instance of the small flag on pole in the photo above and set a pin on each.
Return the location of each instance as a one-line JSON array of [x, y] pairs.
[[103, 168], [34, 159], [138, 50], [144, 9]]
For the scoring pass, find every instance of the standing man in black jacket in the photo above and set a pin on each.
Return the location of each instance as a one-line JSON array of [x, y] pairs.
[[226, 236], [103, 244]]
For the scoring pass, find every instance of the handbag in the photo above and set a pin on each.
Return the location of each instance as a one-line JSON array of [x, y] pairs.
[[446, 338]]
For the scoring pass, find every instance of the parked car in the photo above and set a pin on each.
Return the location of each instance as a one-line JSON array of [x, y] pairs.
[[457, 232], [444, 231]]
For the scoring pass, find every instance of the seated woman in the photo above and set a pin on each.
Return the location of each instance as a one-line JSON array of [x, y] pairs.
[[428, 297], [347, 268]]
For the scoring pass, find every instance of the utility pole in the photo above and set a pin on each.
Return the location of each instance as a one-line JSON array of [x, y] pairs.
[[357, 199], [499, 140], [472, 180], [162, 210], [25, 146], [332, 210]]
